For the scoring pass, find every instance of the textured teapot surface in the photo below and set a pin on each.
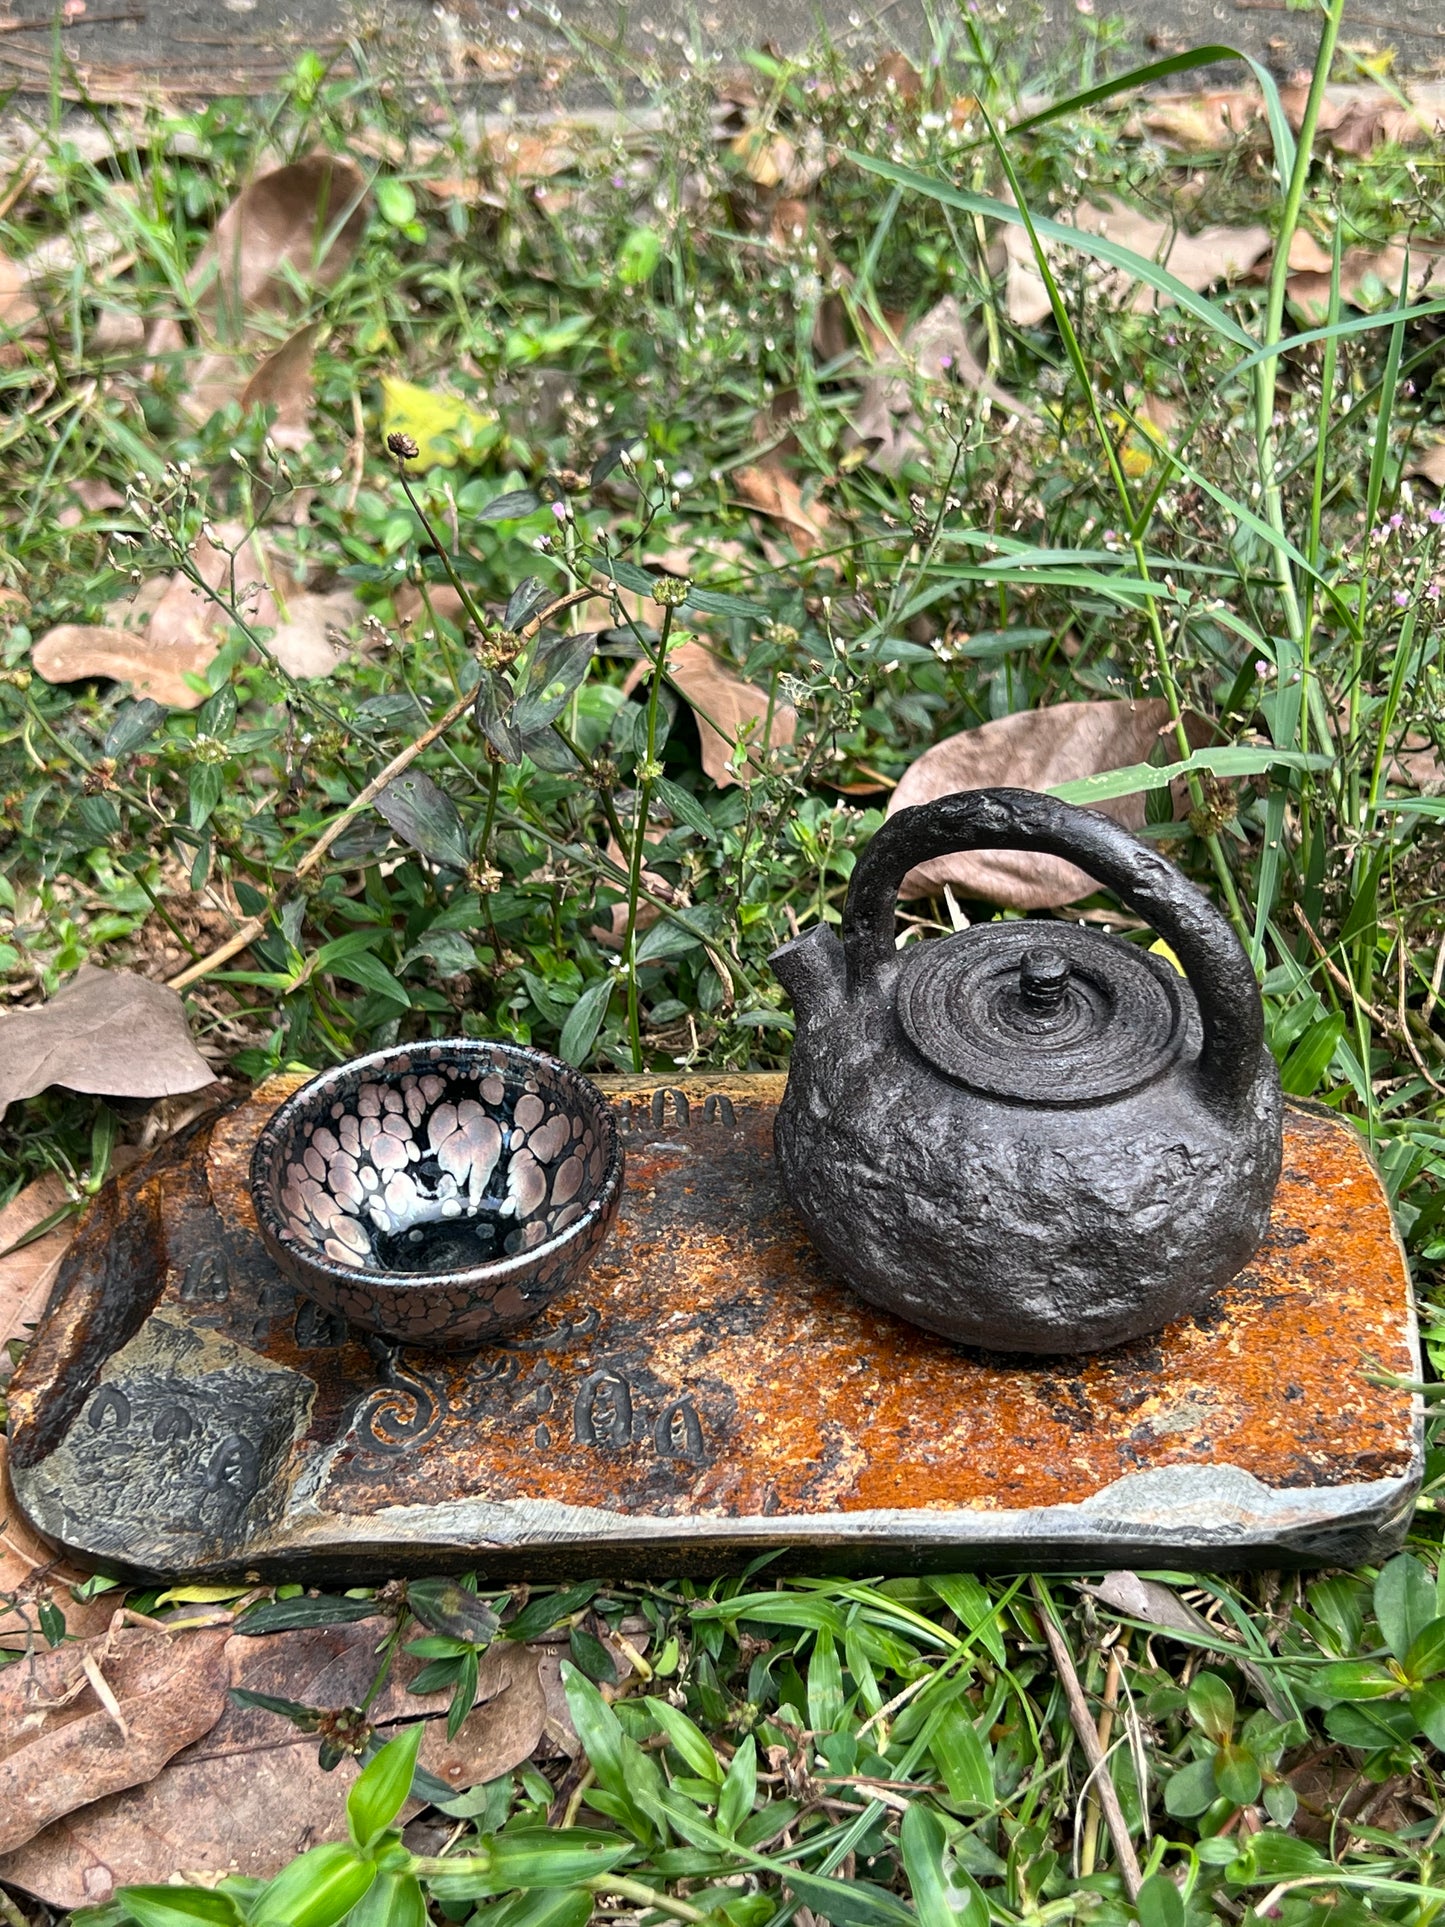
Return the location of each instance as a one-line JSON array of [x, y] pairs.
[[1029, 1136]]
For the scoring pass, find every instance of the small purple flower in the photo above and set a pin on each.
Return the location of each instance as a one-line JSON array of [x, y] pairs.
[[559, 509], [1401, 598], [1437, 516], [1397, 521]]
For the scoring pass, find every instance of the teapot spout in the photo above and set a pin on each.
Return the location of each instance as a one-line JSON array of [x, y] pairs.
[[812, 971]]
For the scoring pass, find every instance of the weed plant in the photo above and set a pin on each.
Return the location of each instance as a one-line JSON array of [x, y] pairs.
[[567, 873]]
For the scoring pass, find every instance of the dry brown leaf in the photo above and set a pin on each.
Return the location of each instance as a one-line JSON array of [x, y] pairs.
[[107, 1031], [284, 381], [249, 1795], [772, 491], [936, 348], [774, 160], [1198, 260], [1429, 462], [310, 639], [76, 651], [26, 1275], [17, 309], [1034, 750], [1204, 123], [1369, 278], [725, 707], [302, 221], [59, 1752]]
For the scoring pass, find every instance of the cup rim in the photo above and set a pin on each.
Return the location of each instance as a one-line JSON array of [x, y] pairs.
[[277, 1128]]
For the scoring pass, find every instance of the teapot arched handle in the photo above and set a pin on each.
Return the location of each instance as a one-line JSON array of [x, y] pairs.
[[1214, 961]]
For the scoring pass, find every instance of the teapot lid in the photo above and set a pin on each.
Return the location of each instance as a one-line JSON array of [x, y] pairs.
[[1046, 1014]]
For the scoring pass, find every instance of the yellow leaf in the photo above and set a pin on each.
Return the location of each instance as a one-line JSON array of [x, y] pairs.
[[445, 428], [1161, 949], [200, 1595]]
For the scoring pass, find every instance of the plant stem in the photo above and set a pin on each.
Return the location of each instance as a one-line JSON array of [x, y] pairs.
[[646, 775], [645, 1896]]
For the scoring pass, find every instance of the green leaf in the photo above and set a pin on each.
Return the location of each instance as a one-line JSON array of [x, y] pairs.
[[395, 1900], [464, 1698], [943, 1894], [317, 1890], [1237, 1775], [968, 1600], [540, 1615], [284, 1615], [1136, 265], [133, 724], [638, 256], [592, 1656], [178, 1906], [1354, 1679], [515, 505], [1211, 1706], [1160, 1903], [1426, 1657], [622, 1768], [960, 1756], [1427, 1703], [371, 973], [1370, 1727], [584, 1020], [739, 1788], [825, 1684], [531, 1857], [447, 1608], [424, 816], [204, 791], [1269, 1856], [1191, 1791], [379, 1792], [547, 1907], [306, 1717], [395, 202], [687, 1739], [1404, 1602], [683, 806], [1225, 760], [1302, 1070]]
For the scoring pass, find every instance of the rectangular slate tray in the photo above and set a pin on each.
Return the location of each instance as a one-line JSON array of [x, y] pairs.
[[705, 1394]]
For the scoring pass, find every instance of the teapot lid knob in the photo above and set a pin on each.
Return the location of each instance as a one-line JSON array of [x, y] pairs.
[[1044, 979]]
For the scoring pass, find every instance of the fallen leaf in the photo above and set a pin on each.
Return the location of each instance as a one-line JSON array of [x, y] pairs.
[[285, 381], [772, 492], [1429, 462], [302, 222], [1204, 123], [1198, 260], [772, 159], [26, 1275], [309, 640], [445, 428], [107, 1031], [1369, 278], [1033, 750], [249, 1795], [726, 707], [935, 349], [17, 309], [76, 651], [61, 1749], [1159, 1605]]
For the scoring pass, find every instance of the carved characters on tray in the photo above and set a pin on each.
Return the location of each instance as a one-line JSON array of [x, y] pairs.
[[606, 1410]]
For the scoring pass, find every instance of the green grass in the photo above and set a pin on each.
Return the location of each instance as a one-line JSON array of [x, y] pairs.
[[1269, 567]]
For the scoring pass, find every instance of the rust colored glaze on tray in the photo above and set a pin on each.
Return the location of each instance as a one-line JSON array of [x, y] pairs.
[[183, 1411]]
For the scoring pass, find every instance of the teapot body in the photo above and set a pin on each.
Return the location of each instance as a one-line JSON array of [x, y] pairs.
[[1019, 1226], [1029, 1136]]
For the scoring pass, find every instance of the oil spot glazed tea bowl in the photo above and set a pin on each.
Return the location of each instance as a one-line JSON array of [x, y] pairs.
[[440, 1194]]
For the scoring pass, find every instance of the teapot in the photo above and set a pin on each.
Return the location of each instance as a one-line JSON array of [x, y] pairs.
[[1029, 1136]]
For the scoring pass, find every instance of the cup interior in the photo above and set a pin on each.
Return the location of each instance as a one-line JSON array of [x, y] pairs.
[[445, 1160]]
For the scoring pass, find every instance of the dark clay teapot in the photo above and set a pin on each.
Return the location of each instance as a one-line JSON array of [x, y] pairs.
[[1030, 1136]]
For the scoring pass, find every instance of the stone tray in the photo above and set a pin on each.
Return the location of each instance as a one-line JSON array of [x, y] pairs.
[[706, 1394]]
